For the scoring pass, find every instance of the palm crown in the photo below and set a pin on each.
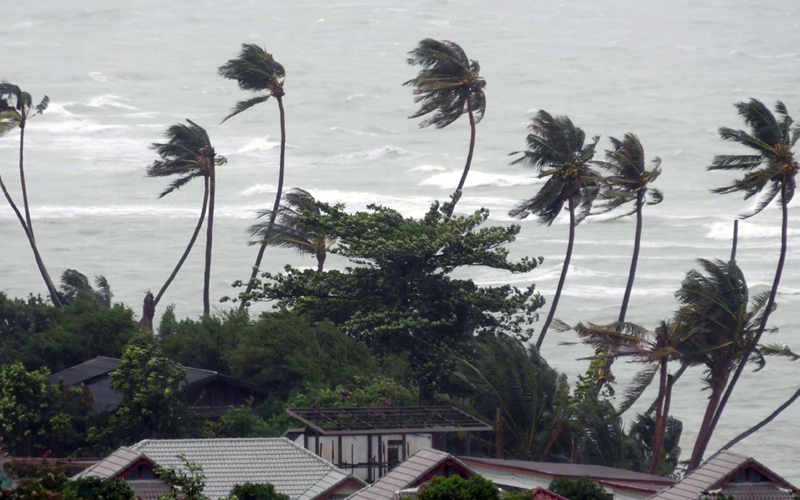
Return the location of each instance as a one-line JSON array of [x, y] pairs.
[[558, 149], [448, 85], [629, 177], [16, 107], [773, 164], [255, 70], [187, 154]]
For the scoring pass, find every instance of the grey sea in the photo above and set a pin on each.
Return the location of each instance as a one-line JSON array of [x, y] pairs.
[[119, 72]]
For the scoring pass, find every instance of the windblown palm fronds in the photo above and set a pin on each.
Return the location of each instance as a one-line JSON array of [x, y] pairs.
[[255, 70]]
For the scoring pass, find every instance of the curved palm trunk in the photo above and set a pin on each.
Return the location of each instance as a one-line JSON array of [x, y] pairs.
[[275, 207], [188, 247], [564, 270], [661, 416], [209, 239], [637, 241], [469, 155], [39, 262], [713, 403], [750, 348], [749, 432], [321, 255], [674, 378], [22, 177]]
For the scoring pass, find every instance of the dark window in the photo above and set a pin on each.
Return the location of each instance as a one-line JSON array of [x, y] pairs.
[[393, 453]]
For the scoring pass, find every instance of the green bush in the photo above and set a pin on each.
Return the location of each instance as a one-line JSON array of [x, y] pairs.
[[458, 488], [250, 491], [582, 489]]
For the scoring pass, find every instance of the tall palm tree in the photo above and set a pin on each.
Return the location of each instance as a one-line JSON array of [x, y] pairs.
[[16, 108], [256, 70], [188, 154], [770, 171], [288, 231], [629, 182], [640, 345], [448, 85], [717, 322], [559, 151]]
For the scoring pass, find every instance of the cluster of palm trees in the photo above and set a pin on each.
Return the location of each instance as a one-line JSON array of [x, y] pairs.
[[717, 325]]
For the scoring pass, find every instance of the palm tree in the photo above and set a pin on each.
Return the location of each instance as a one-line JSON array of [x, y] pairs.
[[257, 71], [558, 150], [629, 181], [188, 154], [448, 84], [288, 231], [16, 108], [640, 345], [771, 171], [717, 322]]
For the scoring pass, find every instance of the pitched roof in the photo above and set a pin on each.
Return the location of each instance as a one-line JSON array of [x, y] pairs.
[[376, 420], [148, 489], [407, 475], [544, 494], [517, 474], [756, 491], [713, 474], [293, 470]]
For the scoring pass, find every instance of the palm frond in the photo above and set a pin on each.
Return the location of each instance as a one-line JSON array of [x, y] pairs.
[[245, 105], [640, 383], [42, 105], [255, 70]]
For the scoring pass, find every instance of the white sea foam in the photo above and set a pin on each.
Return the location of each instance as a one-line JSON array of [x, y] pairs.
[[98, 76], [111, 101], [259, 189], [351, 131], [449, 180], [747, 230], [61, 110], [427, 168], [258, 144]]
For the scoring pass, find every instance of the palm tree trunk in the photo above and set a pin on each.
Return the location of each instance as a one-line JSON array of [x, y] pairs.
[[209, 238], [675, 378], [564, 270], [22, 177], [763, 423], [770, 304], [188, 247], [550, 442], [713, 403], [275, 208], [469, 156], [321, 259], [39, 262], [735, 240], [658, 438]]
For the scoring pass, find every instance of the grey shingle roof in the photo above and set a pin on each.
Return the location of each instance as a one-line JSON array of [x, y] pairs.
[[148, 489], [293, 470], [710, 476], [756, 491], [405, 475]]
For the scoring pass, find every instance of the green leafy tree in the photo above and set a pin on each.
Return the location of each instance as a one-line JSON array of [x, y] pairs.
[[188, 154], [558, 150], [457, 488], [16, 108], [581, 489], [448, 85], [250, 491], [74, 284], [185, 482], [95, 488], [153, 389], [286, 231], [771, 170], [399, 297], [255, 70]]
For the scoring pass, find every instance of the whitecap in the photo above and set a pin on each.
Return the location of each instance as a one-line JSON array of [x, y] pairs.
[[350, 131], [388, 152], [747, 230], [354, 96], [110, 100], [450, 180], [59, 109], [259, 189], [259, 144], [427, 168], [98, 76]]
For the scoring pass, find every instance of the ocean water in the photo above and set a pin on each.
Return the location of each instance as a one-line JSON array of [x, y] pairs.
[[119, 73]]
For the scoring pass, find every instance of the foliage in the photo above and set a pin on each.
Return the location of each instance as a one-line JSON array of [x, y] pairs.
[[581, 489], [255, 70], [185, 482], [448, 83], [75, 284], [642, 431], [250, 491], [457, 488], [153, 390], [399, 297], [50, 487], [16, 107], [242, 423], [95, 488], [629, 179]]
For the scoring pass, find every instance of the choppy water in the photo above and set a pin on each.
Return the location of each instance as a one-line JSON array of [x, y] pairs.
[[120, 72]]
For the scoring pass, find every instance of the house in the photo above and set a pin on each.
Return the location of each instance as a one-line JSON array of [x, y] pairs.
[[210, 393], [405, 480], [524, 475], [293, 471], [732, 474], [369, 442]]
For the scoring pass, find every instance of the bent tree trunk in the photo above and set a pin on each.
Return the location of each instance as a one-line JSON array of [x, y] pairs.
[[750, 348], [469, 156], [752, 430], [563, 277], [209, 238], [275, 208], [188, 247], [658, 439], [39, 262], [22, 177], [713, 403], [658, 446]]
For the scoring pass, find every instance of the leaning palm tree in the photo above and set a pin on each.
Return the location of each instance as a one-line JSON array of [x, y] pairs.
[[448, 85], [287, 231], [629, 182], [256, 70], [558, 150], [656, 349], [717, 323], [188, 154], [770, 171], [15, 110]]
